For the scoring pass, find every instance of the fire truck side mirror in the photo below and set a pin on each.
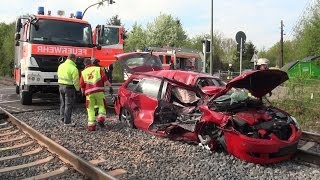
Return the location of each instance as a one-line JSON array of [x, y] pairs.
[[98, 47], [124, 36], [17, 43], [17, 36], [18, 25], [101, 35]]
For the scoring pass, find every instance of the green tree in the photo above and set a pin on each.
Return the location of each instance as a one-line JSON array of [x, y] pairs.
[[6, 48], [247, 53], [224, 49], [114, 20], [166, 31], [136, 38]]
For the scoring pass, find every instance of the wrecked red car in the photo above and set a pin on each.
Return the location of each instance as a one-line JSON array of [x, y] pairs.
[[171, 106]]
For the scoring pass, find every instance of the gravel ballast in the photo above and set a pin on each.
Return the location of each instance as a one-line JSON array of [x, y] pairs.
[[145, 156]]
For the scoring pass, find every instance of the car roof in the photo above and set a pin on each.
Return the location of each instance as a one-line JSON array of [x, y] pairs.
[[124, 55], [186, 77]]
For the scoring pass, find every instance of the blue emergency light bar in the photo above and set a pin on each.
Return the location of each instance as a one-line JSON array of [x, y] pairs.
[[41, 10], [79, 15]]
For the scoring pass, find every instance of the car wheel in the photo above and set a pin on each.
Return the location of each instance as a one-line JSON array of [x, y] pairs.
[[25, 97], [126, 117], [17, 89]]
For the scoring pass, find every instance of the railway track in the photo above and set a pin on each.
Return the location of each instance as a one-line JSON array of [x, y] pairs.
[[308, 152], [27, 154]]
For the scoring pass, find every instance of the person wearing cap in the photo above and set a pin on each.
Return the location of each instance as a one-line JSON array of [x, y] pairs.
[[92, 83], [262, 64], [68, 79]]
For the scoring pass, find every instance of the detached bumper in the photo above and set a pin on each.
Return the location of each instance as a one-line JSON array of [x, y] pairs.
[[262, 151]]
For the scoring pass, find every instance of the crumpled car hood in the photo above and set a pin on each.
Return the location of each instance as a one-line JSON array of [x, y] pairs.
[[258, 83]]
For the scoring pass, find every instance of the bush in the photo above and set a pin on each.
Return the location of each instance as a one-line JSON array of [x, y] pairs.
[[117, 72]]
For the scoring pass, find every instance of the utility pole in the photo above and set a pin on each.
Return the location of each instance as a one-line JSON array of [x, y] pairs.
[[211, 42], [281, 46]]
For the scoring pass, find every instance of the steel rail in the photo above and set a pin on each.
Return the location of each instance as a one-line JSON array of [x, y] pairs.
[[65, 155], [308, 156]]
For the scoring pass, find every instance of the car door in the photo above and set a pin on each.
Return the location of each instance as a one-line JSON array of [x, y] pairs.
[[144, 101]]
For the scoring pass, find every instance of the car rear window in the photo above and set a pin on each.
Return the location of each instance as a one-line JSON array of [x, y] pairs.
[[210, 82], [149, 87]]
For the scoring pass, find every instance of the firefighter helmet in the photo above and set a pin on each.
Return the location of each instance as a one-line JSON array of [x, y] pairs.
[[262, 61]]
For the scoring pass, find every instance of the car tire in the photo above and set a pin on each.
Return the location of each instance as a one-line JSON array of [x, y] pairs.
[[25, 98], [17, 89], [126, 117]]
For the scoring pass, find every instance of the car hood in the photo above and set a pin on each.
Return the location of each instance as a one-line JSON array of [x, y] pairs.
[[139, 62], [258, 83]]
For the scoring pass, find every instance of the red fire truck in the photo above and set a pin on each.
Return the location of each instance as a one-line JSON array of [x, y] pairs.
[[178, 58], [42, 41]]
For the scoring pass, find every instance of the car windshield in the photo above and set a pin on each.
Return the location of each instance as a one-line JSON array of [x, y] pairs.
[[143, 60], [47, 31]]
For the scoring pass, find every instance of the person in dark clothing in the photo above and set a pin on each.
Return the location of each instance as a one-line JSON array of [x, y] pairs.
[[109, 73]]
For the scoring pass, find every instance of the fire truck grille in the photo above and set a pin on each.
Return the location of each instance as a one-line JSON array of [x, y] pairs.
[[47, 63], [51, 63]]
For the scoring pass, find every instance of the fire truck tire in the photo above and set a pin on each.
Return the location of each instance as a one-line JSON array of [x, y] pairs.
[[17, 89], [25, 98]]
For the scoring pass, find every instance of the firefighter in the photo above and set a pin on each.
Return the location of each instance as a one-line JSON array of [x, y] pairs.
[[68, 79], [92, 82], [262, 64]]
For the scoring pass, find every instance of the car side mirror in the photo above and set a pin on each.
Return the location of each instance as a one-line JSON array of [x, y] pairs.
[[17, 36]]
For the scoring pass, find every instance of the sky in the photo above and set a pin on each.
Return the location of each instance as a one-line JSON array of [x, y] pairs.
[[259, 19]]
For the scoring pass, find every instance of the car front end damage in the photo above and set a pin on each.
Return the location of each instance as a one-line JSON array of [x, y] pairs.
[[272, 137]]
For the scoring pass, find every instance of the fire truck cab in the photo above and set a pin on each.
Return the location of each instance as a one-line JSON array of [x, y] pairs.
[[44, 41]]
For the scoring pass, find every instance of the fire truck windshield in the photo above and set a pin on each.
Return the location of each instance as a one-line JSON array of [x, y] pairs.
[[111, 36], [48, 31]]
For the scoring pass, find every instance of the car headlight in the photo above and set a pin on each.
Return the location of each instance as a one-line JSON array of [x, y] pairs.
[[295, 122]]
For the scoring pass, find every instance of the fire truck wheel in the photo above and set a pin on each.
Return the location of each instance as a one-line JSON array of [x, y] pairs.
[[17, 90], [25, 98]]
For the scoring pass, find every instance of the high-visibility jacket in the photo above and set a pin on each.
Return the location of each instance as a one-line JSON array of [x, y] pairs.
[[92, 80], [68, 74]]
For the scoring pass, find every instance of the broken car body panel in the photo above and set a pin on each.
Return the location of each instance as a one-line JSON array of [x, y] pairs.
[[176, 107]]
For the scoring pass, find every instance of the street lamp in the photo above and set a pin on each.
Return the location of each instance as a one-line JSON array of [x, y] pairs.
[[98, 3]]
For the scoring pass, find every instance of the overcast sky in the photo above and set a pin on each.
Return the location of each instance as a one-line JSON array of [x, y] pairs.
[[259, 19]]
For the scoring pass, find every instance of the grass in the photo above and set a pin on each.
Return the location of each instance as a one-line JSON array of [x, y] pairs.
[[302, 100]]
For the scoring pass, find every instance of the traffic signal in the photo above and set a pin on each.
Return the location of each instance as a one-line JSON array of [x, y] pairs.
[[207, 45], [111, 2]]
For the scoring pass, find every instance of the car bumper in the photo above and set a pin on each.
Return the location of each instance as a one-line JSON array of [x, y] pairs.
[[262, 151]]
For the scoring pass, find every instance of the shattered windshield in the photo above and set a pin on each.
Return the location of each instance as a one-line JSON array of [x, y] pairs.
[[47, 31]]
